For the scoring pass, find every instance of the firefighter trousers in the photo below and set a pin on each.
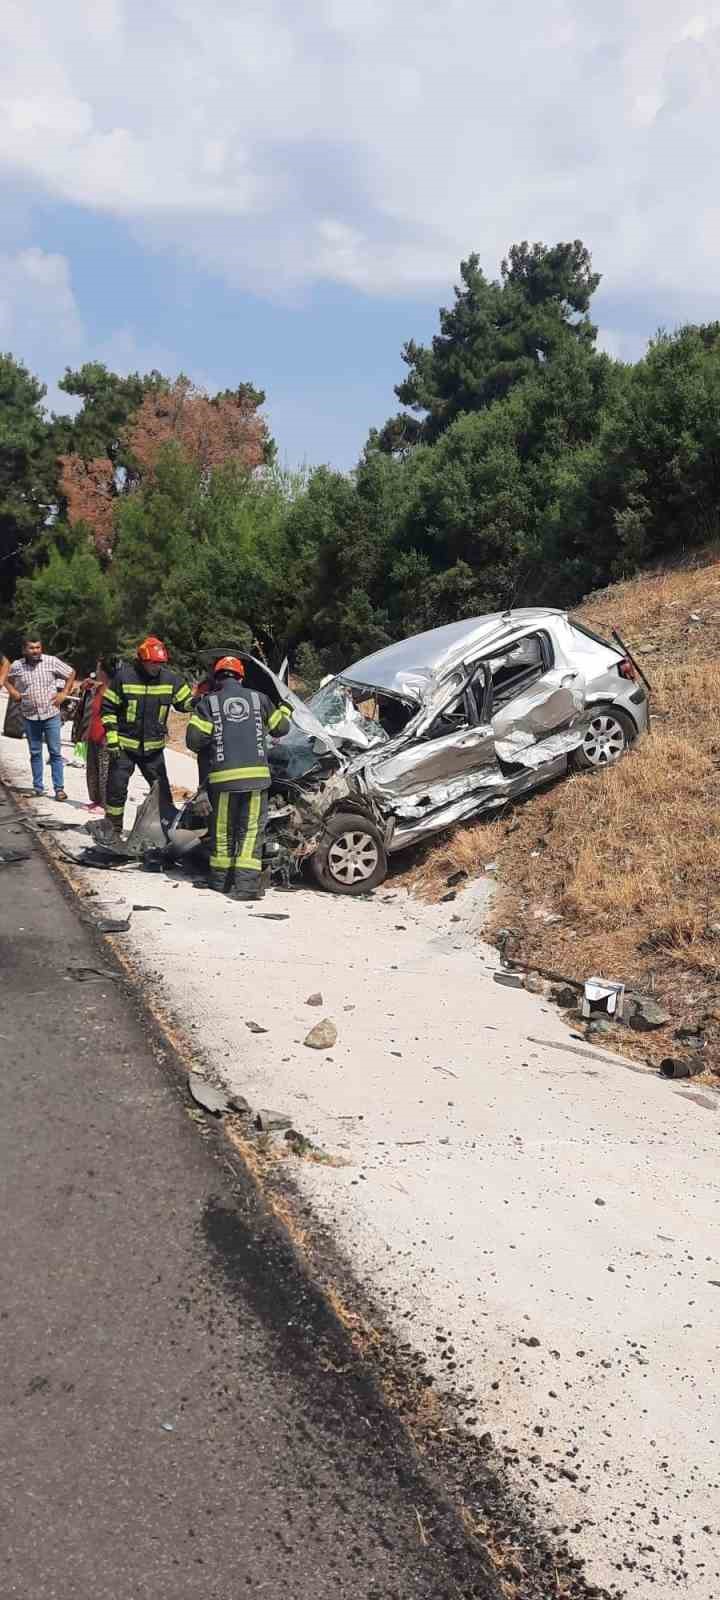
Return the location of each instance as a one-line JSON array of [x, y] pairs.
[[152, 766], [237, 830]]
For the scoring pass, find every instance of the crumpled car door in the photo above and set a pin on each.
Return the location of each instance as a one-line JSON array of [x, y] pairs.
[[541, 722], [421, 765]]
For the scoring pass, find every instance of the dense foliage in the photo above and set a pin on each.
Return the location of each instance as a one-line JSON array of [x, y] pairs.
[[526, 466]]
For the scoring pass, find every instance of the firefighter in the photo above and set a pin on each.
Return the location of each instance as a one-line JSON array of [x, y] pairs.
[[135, 710], [228, 732]]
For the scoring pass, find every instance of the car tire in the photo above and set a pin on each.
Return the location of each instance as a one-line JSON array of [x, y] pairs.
[[351, 856], [609, 737]]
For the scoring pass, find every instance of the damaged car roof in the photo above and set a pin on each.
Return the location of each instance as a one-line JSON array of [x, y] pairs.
[[408, 667]]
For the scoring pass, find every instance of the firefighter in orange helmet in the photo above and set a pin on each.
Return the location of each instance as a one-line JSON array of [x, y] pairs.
[[228, 731], [136, 706]]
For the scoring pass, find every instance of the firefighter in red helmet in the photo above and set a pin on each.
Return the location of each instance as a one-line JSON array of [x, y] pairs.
[[136, 706], [228, 731]]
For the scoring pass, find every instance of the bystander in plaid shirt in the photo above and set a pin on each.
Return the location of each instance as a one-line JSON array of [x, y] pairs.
[[38, 682]]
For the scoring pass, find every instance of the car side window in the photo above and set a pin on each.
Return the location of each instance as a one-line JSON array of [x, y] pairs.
[[458, 715], [513, 669]]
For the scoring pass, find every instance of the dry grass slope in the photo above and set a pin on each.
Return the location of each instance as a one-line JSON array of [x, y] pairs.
[[630, 859]]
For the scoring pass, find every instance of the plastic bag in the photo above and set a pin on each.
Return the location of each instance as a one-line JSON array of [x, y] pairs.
[[80, 751]]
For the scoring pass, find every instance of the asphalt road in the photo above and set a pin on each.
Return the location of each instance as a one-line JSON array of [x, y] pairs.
[[177, 1413]]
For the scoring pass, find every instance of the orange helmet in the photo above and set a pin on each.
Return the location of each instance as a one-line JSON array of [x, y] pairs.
[[152, 650], [230, 664]]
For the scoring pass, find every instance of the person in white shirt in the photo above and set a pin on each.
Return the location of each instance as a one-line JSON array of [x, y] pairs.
[[41, 683]]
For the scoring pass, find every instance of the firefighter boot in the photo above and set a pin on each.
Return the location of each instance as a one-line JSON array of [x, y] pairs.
[[249, 892]]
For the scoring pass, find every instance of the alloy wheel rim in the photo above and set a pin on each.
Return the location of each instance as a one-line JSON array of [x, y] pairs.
[[604, 741], [353, 857]]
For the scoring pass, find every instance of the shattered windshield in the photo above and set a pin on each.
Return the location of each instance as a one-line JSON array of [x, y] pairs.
[[350, 715]]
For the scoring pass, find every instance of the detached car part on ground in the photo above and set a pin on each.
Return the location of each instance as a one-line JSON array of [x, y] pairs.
[[447, 725]]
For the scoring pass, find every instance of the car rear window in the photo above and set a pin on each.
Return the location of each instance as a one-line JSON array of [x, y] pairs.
[[597, 638]]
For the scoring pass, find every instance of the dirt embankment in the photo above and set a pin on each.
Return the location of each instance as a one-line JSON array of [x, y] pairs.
[[627, 861]]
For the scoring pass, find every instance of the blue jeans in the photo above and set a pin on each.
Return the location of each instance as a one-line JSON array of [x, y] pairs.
[[48, 729]]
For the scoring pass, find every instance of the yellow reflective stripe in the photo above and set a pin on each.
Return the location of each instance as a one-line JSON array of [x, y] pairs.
[[131, 711], [128, 744], [246, 860], [226, 774], [109, 719], [182, 695], [112, 737], [200, 723], [109, 694], [153, 744], [165, 689], [277, 716], [114, 811], [221, 858]]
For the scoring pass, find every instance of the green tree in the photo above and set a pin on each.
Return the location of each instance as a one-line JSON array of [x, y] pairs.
[[201, 556], [67, 601], [496, 334], [108, 402], [28, 488]]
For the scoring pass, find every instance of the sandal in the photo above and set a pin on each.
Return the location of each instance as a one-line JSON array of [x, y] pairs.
[[61, 795]]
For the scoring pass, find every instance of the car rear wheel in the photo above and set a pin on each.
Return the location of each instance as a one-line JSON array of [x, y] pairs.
[[350, 858], [608, 737]]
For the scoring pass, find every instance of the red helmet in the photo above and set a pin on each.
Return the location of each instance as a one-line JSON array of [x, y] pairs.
[[230, 664], [152, 649]]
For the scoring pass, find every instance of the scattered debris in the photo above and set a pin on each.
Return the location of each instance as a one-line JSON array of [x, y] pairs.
[[272, 1122], [603, 997], [509, 980], [456, 877], [298, 1143], [682, 1066], [89, 974], [536, 985], [148, 908], [272, 916], [55, 825], [446, 1071], [9, 858], [255, 1027], [314, 1000], [451, 895], [111, 924], [590, 1055], [643, 1014], [240, 1105], [565, 996], [206, 1095], [323, 1036]]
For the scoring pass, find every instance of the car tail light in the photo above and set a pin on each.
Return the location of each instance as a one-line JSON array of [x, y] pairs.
[[627, 670]]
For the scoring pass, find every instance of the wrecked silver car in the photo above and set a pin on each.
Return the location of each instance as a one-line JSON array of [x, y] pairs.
[[447, 725]]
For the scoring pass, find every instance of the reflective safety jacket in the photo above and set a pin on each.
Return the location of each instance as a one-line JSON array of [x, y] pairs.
[[135, 708], [228, 732]]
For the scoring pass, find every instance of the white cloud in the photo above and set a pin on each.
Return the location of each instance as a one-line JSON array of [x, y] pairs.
[[39, 316], [372, 145], [41, 323]]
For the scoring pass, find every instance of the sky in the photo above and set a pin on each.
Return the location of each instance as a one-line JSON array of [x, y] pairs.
[[281, 192]]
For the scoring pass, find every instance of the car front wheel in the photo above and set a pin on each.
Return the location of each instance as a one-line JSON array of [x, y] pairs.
[[350, 858], [608, 737]]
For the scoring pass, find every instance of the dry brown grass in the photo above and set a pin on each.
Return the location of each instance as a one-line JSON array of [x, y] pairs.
[[630, 859]]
